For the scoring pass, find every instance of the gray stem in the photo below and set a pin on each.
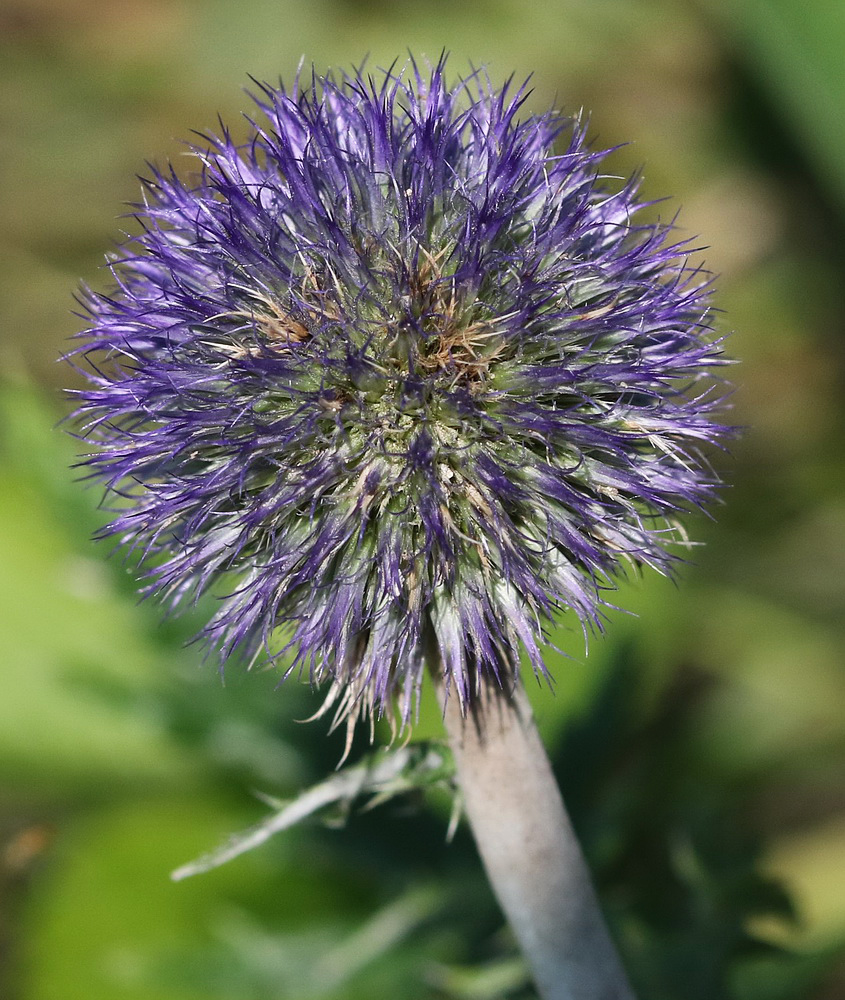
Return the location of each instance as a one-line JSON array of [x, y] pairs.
[[530, 851]]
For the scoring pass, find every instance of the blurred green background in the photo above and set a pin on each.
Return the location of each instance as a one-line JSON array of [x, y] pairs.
[[701, 744]]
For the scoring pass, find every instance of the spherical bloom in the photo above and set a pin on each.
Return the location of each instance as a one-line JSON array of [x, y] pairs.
[[399, 377]]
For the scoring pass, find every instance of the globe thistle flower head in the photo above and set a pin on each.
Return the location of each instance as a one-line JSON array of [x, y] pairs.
[[398, 378]]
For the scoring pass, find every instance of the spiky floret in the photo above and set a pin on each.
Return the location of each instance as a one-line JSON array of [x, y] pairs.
[[398, 379]]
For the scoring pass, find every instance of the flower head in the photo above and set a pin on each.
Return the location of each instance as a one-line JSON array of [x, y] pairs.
[[401, 377]]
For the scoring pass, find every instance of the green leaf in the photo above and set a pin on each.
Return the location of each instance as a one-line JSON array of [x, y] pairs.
[[382, 775], [75, 646], [796, 51]]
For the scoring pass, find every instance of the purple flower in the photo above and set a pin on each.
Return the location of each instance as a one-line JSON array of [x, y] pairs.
[[398, 377]]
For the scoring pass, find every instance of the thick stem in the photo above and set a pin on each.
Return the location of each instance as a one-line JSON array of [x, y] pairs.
[[530, 851]]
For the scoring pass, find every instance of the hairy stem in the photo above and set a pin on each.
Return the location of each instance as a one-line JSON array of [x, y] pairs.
[[530, 851]]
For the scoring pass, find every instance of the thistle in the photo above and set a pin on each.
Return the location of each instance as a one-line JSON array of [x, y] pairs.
[[400, 378]]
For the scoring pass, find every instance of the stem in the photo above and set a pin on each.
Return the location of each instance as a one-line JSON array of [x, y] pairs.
[[529, 849]]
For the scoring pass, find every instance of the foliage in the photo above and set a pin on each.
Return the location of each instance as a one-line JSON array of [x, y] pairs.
[[700, 744]]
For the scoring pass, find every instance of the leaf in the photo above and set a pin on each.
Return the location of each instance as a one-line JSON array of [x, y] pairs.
[[796, 52], [384, 775]]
